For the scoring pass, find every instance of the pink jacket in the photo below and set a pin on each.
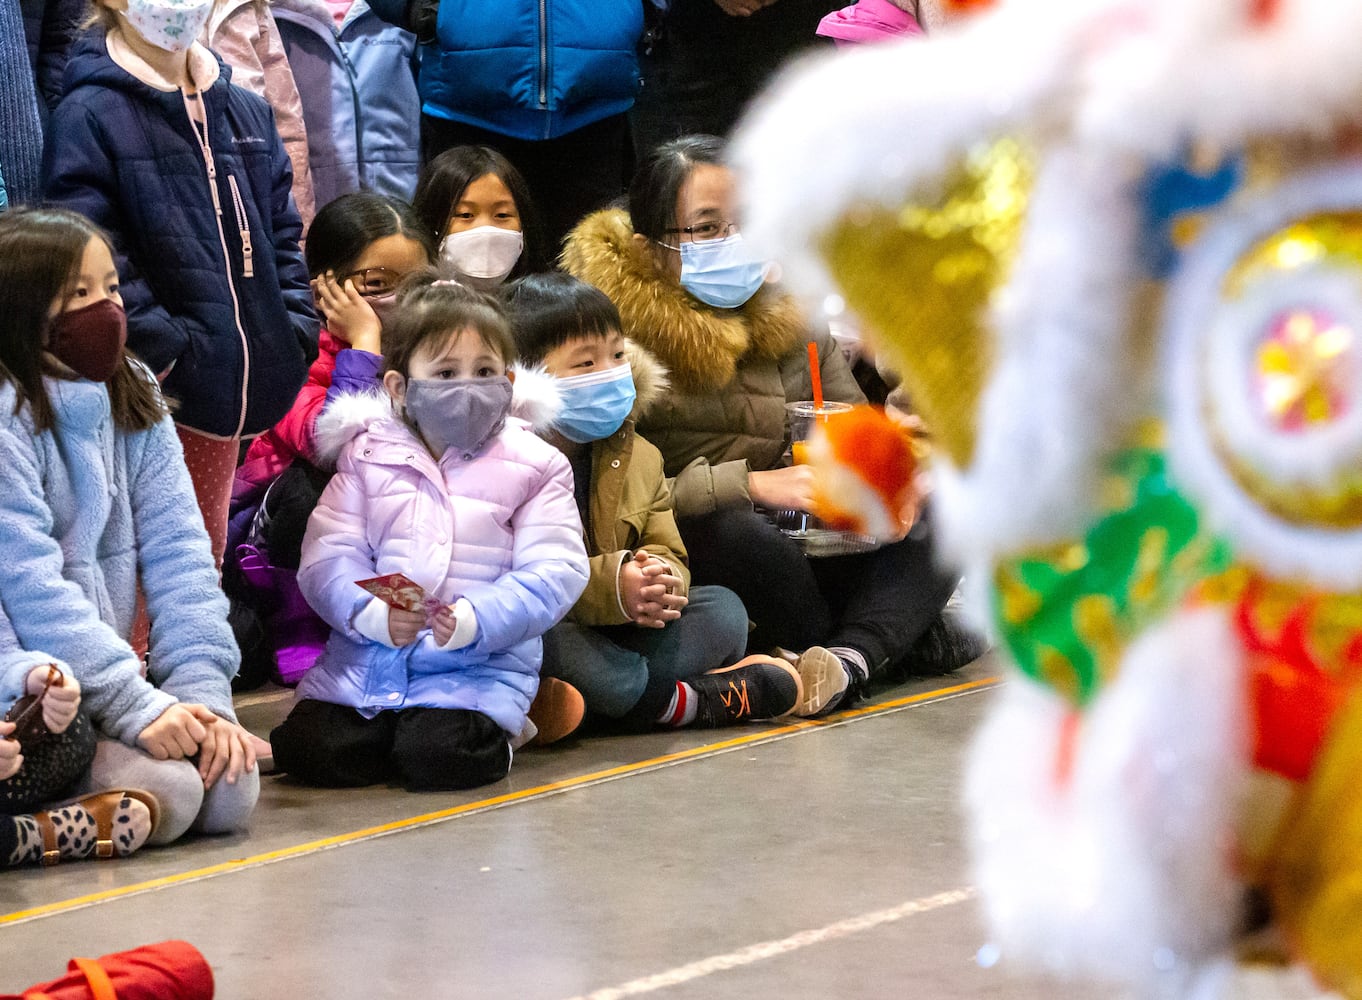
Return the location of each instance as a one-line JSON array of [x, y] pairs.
[[244, 34], [272, 452], [497, 534], [868, 21]]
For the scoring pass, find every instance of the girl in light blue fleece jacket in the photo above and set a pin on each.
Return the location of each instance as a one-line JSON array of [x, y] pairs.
[[93, 495]]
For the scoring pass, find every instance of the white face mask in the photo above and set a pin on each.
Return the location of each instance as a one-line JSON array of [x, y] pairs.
[[172, 25], [484, 256]]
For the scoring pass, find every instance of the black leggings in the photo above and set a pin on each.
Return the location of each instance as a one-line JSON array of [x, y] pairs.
[[427, 749], [878, 603]]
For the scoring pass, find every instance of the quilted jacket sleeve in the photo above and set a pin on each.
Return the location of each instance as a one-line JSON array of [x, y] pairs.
[[48, 612], [548, 566], [298, 429], [193, 654], [701, 488], [336, 551]]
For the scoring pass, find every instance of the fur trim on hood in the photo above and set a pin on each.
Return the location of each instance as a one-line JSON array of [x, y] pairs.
[[701, 346], [534, 398], [651, 380]]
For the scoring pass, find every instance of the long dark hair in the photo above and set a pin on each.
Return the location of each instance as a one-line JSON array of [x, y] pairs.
[[40, 255], [345, 227], [445, 178], [658, 180]]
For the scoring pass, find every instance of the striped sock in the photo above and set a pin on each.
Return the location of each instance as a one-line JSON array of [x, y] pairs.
[[680, 711]]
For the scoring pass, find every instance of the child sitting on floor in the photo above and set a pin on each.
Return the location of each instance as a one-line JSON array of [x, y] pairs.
[[640, 645], [436, 482], [95, 499]]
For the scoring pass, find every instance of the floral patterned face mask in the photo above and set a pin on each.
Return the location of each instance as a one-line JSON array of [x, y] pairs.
[[169, 24]]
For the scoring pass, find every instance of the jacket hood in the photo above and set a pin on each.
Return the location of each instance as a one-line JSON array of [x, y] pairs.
[[699, 345], [90, 63], [535, 399], [318, 11], [650, 379]]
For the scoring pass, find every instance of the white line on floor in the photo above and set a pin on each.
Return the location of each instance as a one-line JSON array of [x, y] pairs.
[[770, 949]]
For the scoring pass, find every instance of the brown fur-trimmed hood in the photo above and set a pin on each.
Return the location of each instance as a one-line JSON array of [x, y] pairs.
[[651, 380], [700, 345]]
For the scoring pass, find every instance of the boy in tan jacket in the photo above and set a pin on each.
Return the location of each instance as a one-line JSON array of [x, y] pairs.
[[641, 646]]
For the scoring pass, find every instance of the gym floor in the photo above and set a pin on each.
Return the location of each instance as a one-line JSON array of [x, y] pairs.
[[820, 859]]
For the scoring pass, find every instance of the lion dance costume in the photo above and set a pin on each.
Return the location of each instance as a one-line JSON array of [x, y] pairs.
[[1115, 248]]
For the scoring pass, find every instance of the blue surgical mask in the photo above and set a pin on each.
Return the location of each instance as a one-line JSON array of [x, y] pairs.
[[721, 273], [596, 404]]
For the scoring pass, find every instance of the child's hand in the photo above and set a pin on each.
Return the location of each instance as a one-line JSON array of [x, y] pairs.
[[225, 750], [404, 626], [348, 314], [61, 702], [11, 754], [177, 732], [649, 591], [782, 489], [443, 624]]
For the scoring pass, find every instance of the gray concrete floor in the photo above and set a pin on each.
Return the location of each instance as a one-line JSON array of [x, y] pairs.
[[822, 861]]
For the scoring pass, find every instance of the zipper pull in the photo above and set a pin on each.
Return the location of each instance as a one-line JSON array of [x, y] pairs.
[[243, 227], [247, 268]]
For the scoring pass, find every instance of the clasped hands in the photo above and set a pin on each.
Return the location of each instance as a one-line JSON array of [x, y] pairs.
[[186, 729], [650, 590]]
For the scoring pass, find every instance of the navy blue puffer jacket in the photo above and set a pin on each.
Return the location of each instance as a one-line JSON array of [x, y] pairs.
[[219, 304]]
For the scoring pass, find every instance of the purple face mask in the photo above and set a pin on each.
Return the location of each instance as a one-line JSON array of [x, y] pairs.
[[459, 413], [383, 306]]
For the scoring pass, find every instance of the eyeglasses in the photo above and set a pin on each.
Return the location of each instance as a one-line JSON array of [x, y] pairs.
[[706, 232], [373, 281]]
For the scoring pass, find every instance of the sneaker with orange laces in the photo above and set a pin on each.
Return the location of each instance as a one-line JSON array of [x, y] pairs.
[[755, 688]]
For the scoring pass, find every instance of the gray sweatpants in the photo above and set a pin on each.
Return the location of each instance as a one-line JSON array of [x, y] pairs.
[[185, 805]]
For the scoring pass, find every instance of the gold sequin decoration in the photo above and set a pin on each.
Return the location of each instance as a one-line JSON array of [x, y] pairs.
[[1334, 237], [921, 279]]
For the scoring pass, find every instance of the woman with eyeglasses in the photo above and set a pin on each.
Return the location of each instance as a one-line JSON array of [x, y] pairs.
[[689, 291], [359, 249]]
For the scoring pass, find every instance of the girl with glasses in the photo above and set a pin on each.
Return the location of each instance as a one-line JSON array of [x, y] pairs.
[[359, 249]]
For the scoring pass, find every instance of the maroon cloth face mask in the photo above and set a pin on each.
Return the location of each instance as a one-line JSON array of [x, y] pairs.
[[90, 340]]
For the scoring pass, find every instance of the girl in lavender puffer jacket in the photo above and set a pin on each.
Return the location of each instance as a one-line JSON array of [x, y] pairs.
[[436, 482]]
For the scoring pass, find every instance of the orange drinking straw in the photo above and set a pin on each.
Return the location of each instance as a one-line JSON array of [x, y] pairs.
[[816, 375]]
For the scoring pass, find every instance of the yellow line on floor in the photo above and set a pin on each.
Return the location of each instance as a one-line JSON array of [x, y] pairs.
[[495, 802]]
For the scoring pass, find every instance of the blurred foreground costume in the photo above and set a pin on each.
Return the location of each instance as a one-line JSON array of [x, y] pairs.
[[1115, 249]]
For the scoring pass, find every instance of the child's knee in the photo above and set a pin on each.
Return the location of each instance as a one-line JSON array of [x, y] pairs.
[[228, 807], [450, 749], [179, 792]]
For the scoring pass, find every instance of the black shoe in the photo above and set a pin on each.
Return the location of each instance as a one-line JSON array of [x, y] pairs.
[[759, 687], [948, 644]]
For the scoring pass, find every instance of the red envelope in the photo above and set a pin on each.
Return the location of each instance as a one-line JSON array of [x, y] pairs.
[[396, 590]]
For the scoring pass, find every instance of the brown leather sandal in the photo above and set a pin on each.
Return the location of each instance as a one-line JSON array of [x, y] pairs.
[[102, 806]]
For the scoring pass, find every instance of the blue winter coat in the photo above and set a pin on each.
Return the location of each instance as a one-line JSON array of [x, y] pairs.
[[530, 69], [236, 339], [85, 509], [358, 85]]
